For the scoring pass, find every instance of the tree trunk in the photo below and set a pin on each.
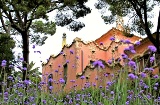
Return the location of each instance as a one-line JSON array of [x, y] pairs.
[[25, 52]]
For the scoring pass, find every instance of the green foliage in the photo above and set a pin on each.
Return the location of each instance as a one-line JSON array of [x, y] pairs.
[[6, 46], [130, 8]]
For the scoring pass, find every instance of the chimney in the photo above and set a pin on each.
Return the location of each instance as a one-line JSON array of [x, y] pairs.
[[63, 40]]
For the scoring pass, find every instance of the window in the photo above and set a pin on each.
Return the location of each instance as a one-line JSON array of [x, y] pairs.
[[50, 79], [65, 72]]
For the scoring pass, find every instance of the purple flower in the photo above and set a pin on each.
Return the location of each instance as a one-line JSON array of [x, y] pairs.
[[152, 59], [109, 61], [101, 43], [61, 52], [24, 68], [109, 83], [61, 80], [77, 57], [133, 51], [112, 38], [96, 78], [44, 101], [67, 61], [59, 66], [71, 51], [27, 82], [50, 87], [10, 77], [98, 63], [152, 48], [122, 41], [127, 41], [100, 87], [112, 92], [132, 64], [156, 84], [72, 81], [131, 76], [138, 43], [21, 59], [3, 63], [124, 56], [126, 49], [143, 75], [39, 52], [50, 80], [131, 47], [33, 46], [56, 71], [155, 88], [155, 76], [82, 77], [11, 66], [127, 102]]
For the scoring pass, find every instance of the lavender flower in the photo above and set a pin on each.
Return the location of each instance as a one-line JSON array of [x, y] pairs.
[[132, 64], [56, 71], [131, 76], [126, 49], [50, 87], [77, 57], [71, 52], [152, 59], [11, 66], [127, 41], [82, 77], [59, 66], [61, 80], [131, 47], [155, 76], [33, 46], [101, 43], [138, 43], [156, 84], [109, 61], [3, 63], [98, 63], [25, 68], [112, 92], [152, 48], [61, 52], [39, 52], [112, 38], [143, 75], [67, 61], [124, 56], [133, 51]]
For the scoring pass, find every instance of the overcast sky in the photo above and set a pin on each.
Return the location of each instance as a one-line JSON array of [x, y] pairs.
[[94, 28]]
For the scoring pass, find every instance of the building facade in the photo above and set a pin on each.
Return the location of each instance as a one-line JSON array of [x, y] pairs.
[[73, 67]]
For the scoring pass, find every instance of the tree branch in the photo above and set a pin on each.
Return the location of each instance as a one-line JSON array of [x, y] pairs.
[[157, 36], [29, 24], [3, 24]]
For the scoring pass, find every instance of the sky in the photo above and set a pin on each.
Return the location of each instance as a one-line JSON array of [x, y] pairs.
[[94, 28]]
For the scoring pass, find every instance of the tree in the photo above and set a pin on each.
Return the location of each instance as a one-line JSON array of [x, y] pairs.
[[6, 46], [139, 13], [25, 18]]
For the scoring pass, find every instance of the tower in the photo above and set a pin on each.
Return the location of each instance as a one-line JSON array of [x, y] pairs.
[[120, 23], [63, 40]]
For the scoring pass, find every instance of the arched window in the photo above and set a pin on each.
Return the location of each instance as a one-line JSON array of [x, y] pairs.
[[50, 79], [65, 72]]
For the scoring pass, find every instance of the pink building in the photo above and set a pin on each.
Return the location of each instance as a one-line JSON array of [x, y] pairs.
[[74, 64]]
